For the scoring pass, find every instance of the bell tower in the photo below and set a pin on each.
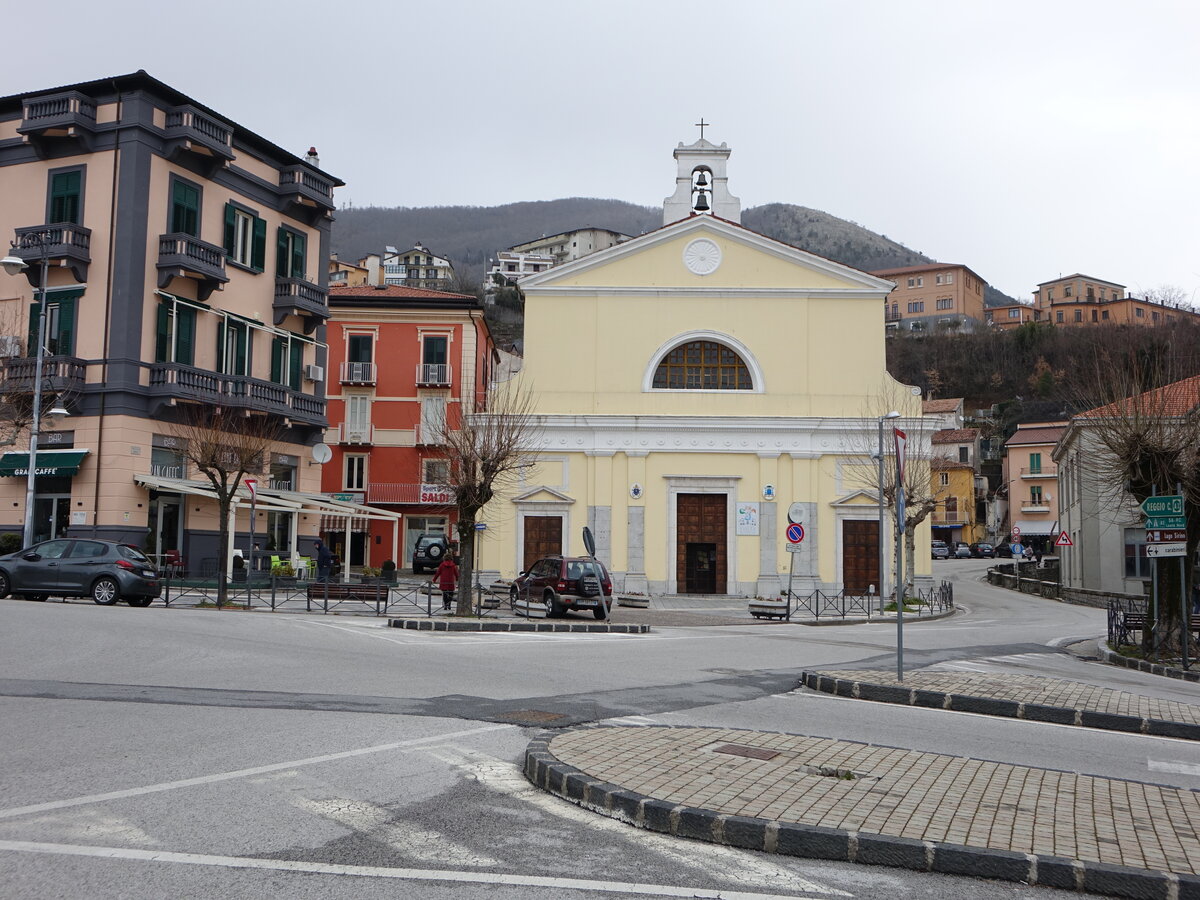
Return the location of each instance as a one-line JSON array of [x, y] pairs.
[[701, 184]]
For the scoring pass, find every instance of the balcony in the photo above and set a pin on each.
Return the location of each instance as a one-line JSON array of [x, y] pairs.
[[64, 244], [184, 256], [949, 519], [414, 494], [358, 373], [57, 117], [889, 316], [189, 131], [175, 381], [295, 296], [1035, 505], [428, 436], [60, 374], [304, 186], [433, 375], [1039, 472], [355, 434]]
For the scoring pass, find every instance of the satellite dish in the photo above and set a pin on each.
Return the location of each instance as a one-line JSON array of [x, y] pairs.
[[321, 453]]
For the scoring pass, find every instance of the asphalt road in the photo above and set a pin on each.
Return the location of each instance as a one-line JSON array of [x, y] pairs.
[[191, 753]]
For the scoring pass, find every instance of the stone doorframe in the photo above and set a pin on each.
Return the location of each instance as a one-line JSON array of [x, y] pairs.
[[559, 506], [701, 484]]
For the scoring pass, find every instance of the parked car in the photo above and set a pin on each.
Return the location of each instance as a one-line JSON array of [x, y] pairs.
[[983, 550], [430, 550], [962, 550], [939, 550], [565, 582], [1004, 550], [103, 570]]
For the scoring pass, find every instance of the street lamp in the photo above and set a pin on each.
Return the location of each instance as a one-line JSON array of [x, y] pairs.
[[882, 554], [14, 265]]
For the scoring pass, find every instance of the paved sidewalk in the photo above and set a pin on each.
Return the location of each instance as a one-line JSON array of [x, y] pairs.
[[843, 800], [1016, 696]]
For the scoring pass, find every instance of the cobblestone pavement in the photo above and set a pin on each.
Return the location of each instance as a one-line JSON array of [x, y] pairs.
[[1031, 689], [867, 789]]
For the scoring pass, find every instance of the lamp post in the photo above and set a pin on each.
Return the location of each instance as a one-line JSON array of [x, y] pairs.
[[15, 265], [882, 551]]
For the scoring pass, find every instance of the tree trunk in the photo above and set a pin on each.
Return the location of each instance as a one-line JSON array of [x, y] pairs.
[[910, 562], [466, 566]]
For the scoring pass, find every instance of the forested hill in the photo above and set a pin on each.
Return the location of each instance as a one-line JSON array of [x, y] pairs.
[[470, 235]]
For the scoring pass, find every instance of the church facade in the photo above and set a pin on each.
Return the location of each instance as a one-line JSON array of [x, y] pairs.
[[699, 388]]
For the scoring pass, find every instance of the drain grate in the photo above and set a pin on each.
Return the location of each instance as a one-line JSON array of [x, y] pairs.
[[748, 752], [529, 716]]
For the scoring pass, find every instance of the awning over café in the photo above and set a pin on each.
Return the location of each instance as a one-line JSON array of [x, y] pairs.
[[49, 462]]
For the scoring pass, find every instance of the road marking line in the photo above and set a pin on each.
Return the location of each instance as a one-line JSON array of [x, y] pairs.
[[1177, 768], [718, 860], [433, 875], [239, 773]]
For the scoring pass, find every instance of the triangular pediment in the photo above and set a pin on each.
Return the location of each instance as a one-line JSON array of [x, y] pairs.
[[705, 254], [857, 498], [543, 494]]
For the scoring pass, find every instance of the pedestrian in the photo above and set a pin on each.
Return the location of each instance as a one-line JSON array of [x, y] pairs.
[[446, 577], [1037, 554], [324, 561]]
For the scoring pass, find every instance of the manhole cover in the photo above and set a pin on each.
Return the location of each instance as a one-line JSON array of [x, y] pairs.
[[749, 752], [529, 717]]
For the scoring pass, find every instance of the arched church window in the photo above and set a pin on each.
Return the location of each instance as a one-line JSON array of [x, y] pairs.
[[702, 366]]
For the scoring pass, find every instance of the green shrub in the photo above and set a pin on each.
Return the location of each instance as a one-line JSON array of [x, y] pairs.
[[282, 570], [10, 542]]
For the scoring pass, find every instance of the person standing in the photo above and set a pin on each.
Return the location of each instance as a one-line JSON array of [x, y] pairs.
[[324, 561], [446, 577]]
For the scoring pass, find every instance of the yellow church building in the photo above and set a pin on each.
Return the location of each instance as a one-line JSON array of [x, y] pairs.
[[699, 388]]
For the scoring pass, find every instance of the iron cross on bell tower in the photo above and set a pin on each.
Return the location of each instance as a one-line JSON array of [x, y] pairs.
[[702, 125]]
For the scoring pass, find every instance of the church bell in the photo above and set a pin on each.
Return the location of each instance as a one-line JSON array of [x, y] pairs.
[[702, 202]]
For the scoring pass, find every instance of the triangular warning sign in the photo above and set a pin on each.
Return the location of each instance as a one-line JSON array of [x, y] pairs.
[[1063, 541]]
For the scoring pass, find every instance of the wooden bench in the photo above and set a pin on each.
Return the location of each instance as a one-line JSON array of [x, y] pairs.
[[326, 593]]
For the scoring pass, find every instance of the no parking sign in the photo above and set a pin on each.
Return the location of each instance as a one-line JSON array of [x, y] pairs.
[[795, 534]]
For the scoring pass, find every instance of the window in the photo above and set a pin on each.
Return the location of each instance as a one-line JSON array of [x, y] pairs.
[[916, 306], [167, 463], [921, 281], [1014, 314], [433, 419], [944, 278], [431, 273], [66, 192], [1094, 316], [1067, 290], [283, 476], [1137, 565], [964, 454], [912, 282], [289, 257], [356, 473], [233, 347], [1104, 314], [435, 471], [287, 360], [1035, 463], [245, 237], [1079, 315], [60, 323], [1139, 312], [702, 366], [175, 334], [1058, 317], [434, 349], [185, 208], [1035, 495], [358, 412], [945, 303], [360, 348], [943, 479], [1154, 316]]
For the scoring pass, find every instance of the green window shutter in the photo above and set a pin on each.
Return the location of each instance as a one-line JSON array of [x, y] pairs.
[[162, 349], [297, 256], [66, 327], [258, 254], [221, 326], [64, 197], [242, 348], [230, 228], [33, 329], [185, 334], [185, 209], [281, 254], [295, 365], [278, 347]]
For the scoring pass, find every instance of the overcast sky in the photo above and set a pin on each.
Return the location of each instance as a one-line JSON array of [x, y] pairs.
[[1023, 139]]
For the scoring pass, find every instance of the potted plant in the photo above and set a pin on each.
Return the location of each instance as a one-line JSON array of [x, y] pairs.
[[284, 573], [388, 571], [370, 575]]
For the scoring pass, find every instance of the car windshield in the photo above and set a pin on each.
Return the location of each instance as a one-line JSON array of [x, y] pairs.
[[133, 553], [426, 539]]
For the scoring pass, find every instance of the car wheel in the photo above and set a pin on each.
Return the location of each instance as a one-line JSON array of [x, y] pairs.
[[5, 585], [598, 612], [106, 591], [554, 609]]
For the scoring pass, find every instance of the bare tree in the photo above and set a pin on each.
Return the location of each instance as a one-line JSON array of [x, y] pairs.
[[1147, 427], [487, 451], [225, 445]]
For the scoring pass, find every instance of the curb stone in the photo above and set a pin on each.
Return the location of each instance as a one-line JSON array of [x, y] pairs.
[[994, 706], [1112, 658], [545, 771], [490, 625]]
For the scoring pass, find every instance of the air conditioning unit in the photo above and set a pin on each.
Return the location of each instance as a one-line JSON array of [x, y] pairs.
[[314, 373]]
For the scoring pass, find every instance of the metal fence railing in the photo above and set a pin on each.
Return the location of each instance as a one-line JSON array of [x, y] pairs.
[[841, 604]]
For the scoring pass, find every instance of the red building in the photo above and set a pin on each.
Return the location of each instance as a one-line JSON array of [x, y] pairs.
[[404, 364]]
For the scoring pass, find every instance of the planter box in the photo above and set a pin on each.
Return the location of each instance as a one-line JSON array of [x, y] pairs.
[[633, 602], [768, 609]]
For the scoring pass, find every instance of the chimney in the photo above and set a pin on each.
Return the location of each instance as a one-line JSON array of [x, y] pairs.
[[312, 158]]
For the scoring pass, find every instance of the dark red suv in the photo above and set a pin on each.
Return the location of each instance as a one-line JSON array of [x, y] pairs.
[[565, 582]]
